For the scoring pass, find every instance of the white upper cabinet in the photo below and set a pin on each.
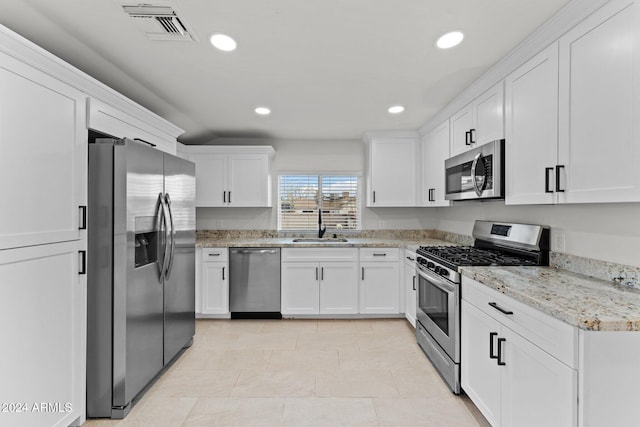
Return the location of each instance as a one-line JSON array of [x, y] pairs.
[[391, 175], [232, 176], [116, 122], [435, 150], [43, 156], [599, 150], [479, 122], [531, 128], [573, 115]]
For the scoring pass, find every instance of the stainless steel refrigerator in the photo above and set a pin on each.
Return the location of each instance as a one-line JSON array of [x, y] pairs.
[[140, 269]]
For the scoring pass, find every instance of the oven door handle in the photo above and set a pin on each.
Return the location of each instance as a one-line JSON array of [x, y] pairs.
[[437, 281]]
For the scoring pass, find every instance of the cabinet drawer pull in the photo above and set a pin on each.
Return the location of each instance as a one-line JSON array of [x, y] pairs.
[[379, 254], [316, 274], [432, 197], [362, 273], [492, 335], [500, 309], [229, 196], [82, 261], [224, 197], [472, 135], [410, 259], [558, 189], [414, 283], [467, 138], [500, 361], [321, 273], [214, 254], [223, 273], [83, 218], [374, 197], [546, 180]]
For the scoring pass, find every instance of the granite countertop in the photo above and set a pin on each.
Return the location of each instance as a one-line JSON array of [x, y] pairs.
[[287, 242], [581, 301]]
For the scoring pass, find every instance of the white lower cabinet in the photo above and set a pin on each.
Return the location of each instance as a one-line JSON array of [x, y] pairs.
[[506, 373], [214, 280], [43, 313], [410, 284], [379, 281], [319, 281]]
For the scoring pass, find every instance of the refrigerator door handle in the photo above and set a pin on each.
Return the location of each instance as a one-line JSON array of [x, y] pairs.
[[172, 234], [163, 231]]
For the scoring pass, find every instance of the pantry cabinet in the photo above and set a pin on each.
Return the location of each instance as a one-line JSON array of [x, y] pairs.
[[391, 176], [573, 115], [214, 281], [232, 176], [379, 281], [435, 150], [319, 281], [518, 365], [43, 168], [479, 122]]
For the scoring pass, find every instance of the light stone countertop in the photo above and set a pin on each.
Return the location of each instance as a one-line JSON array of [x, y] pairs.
[[581, 301], [328, 243]]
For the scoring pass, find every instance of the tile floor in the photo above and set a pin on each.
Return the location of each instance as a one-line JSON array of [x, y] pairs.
[[301, 373]]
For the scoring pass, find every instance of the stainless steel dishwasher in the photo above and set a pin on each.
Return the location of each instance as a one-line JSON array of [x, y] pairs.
[[254, 283]]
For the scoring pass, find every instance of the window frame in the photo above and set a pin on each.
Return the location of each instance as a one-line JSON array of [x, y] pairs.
[[359, 203]]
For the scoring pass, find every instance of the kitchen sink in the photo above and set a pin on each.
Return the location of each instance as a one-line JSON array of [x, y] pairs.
[[317, 240]]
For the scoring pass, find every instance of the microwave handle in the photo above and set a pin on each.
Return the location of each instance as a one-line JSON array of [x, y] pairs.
[[473, 174]]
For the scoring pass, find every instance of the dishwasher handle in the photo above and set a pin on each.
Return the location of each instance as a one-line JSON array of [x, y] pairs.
[[254, 251]]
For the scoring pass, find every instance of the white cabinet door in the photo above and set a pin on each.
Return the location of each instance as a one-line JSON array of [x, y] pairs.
[[537, 389], [531, 125], [211, 179], [600, 106], [410, 283], [435, 150], [43, 313], [379, 288], [215, 288], [461, 124], [43, 156], [488, 116], [392, 172], [338, 288], [300, 288], [479, 375], [247, 176]]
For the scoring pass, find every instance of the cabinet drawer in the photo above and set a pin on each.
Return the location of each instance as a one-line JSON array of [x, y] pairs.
[[319, 254], [379, 254], [214, 254], [550, 334]]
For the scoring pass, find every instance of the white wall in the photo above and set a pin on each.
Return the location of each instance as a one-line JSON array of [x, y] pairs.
[[608, 232], [311, 156]]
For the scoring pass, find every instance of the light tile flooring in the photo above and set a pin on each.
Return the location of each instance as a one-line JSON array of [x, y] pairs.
[[301, 373]]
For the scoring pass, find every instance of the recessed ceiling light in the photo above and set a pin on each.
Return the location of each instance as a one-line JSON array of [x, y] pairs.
[[396, 109], [450, 40], [223, 42], [262, 111]]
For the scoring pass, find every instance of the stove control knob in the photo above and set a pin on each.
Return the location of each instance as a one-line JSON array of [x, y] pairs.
[[430, 265], [444, 272], [437, 270]]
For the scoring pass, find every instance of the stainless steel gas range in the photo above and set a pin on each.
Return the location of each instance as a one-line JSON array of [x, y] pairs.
[[438, 300]]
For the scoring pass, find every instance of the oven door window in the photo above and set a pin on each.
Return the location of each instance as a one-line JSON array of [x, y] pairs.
[[434, 302]]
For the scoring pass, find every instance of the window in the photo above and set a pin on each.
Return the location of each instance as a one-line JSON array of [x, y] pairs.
[[301, 196]]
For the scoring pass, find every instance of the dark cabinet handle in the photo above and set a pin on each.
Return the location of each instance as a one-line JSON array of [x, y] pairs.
[[558, 167], [83, 262], [379, 254], [472, 135], [546, 180], [321, 273], [467, 138], [374, 197], [432, 197], [500, 341], [223, 272], [224, 197], [492, 335], [316, 273], [410, 259], [362, 273], [229, 196], [500, 309], [83, 218], [414, 283]]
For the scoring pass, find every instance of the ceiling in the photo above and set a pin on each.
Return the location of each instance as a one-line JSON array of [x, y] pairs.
[[328, 69]]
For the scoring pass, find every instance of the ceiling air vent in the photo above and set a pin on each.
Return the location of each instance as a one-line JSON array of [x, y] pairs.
[[160, 22]]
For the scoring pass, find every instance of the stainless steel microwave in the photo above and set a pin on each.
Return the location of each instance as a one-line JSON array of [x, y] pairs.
[[476, 174]]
